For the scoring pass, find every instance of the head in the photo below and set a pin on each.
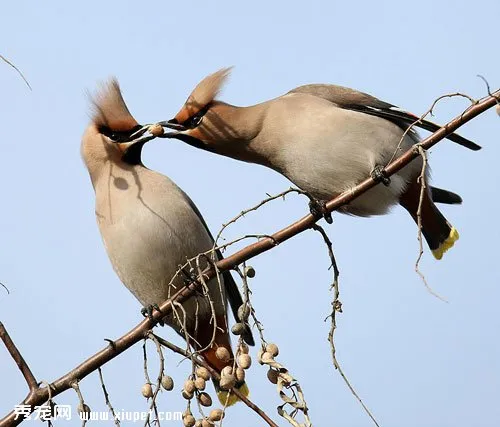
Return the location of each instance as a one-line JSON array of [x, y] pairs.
[[205, 122], [111, 123]]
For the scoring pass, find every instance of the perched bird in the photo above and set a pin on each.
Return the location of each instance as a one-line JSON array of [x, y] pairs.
[[150, 227], [325, 139]]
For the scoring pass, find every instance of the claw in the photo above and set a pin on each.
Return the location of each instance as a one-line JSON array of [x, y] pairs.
[[378, 174], [318, 208], [148, 312]]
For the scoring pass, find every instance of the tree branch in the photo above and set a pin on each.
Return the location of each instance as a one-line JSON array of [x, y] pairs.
[[18, 358], [40, 395]]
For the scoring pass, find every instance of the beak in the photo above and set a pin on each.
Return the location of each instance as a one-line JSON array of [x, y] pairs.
[[124, 147], [173, 124]]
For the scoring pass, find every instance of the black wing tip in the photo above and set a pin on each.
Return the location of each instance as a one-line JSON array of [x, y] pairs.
[[464, 142], [447, 197], [248, 336]]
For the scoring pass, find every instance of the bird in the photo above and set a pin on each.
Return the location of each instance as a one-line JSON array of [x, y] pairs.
[[150, 227], [325, 139]]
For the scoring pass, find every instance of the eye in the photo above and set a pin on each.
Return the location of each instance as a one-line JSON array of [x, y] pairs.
[[195, 120]]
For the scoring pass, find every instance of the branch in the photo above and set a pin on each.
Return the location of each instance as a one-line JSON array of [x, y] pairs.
[[18, 358], [40, 395]]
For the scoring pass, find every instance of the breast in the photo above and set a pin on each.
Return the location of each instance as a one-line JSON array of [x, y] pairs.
[[149, 229]]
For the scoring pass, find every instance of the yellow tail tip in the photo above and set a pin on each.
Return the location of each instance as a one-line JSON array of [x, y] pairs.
[[228, 399], [447, 244]]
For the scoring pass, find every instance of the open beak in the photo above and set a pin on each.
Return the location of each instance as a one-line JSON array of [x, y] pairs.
[[173, 124]]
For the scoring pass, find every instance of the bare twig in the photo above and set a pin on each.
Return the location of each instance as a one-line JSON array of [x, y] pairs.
[[3, 58], [424, 115], [337, 308], [135, 335], [106, 398], [423, 188], [148, 381], [488, 89], [152, 337], [82, 408], [254, 208], [5, 287], [18, 358]]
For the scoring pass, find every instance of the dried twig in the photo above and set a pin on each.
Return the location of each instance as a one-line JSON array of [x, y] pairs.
[[337, 308], [82, 408], [135, 335], [423, 188], [430, 111], [148, 381], [3, 58], [152, 337], [254, 208], [106, 398], [19, 359]]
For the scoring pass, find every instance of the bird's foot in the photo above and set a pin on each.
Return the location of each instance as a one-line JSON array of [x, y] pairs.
[[148, 312], [318, 208], [379, 174], [188, 275]]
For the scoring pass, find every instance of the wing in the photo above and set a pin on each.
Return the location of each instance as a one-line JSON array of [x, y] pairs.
[[351, 99], [232, 291], [439, 195]]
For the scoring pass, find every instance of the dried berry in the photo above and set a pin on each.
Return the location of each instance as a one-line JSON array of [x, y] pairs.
[[227, 370], [273, 349], [244, 348], [216, 415], [227, 382], [202, 373], [156, 130], [199, 383], [267, 357], [249, 271], [243, 312], [189, 386], [204, 399], [239, 374], [188, 421], [223, 354], [244, 361], [238, 328], [186, 395], [272, 376], [167, 382], [147, 390], [84, 411]]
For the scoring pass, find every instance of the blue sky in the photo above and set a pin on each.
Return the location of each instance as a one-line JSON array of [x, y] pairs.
[[414, 360]]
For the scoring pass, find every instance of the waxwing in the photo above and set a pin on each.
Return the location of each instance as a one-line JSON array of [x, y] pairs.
[[150, 227], [325, 139]]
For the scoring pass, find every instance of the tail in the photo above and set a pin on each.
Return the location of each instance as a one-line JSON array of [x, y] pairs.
[[204, 337], [439, 234]]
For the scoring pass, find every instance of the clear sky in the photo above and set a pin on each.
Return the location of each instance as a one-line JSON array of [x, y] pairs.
[[415, 360]]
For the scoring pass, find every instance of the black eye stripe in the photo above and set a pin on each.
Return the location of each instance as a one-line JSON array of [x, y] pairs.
[[196, 118], [118, 136]]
